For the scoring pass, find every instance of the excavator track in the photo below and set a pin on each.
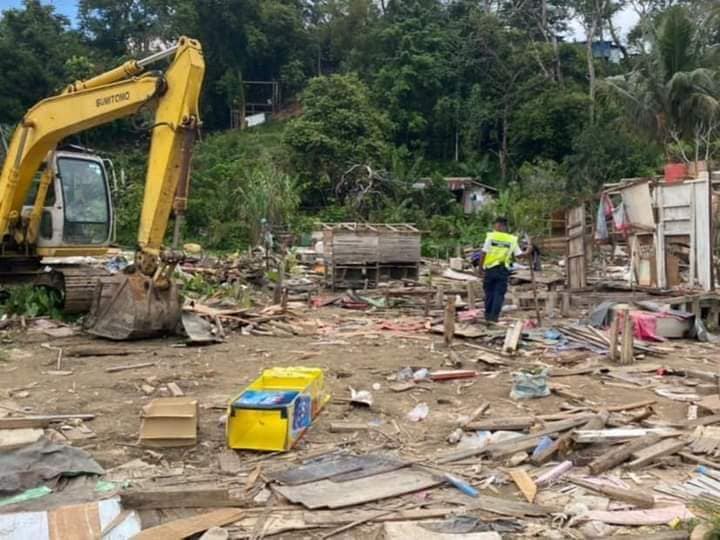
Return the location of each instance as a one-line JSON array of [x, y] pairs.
[[80, 282], [76, 282]]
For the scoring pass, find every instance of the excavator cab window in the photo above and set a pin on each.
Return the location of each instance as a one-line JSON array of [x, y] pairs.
[[86, 201]]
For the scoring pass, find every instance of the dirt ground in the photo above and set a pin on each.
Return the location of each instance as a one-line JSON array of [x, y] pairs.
[[361, 360]]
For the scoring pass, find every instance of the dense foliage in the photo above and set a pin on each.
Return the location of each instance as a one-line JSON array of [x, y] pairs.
[[393, 92]]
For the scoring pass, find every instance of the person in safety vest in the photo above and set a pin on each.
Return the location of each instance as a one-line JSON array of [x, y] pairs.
[[495, 259]]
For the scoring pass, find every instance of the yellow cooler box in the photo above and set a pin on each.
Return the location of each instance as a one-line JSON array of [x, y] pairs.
[[276, 409]]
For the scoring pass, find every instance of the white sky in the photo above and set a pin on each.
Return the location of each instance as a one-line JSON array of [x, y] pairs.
[[624, 22]]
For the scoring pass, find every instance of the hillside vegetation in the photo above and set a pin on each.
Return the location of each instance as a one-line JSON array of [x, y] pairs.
[[394, 91]]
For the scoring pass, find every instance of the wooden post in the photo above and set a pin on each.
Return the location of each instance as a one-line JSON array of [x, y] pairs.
[[628, 343], [428, 301], [471, 295], [512, 337], [535, 293], [277, 293], [565, 306], [450, 320], [550, 304], [440, 297], [614, 327]]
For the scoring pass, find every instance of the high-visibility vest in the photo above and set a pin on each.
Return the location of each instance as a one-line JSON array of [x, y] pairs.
[[502, 247]]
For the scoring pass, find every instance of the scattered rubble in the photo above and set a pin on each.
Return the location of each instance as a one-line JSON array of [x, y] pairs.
[[621, 436]]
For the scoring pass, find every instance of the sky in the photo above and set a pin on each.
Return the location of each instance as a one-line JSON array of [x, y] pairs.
[[66, 7], [624, 20]]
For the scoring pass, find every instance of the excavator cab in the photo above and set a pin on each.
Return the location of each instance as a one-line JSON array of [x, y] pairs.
[[78, 209]]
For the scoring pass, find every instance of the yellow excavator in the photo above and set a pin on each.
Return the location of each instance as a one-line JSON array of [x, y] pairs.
[[57, 203]]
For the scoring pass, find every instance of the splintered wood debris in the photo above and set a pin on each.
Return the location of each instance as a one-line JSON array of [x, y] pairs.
[[633, 429]]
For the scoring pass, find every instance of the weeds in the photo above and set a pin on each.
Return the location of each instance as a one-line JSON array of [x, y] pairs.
[[31, 301], [709, 512]]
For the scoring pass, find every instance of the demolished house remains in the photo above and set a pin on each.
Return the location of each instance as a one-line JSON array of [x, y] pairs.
[[350, 390]]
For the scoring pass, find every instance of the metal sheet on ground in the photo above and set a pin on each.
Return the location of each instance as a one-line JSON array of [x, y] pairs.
[[371, 465], [317, 470]]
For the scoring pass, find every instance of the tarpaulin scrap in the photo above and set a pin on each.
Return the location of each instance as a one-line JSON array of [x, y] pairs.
[[32, 465]]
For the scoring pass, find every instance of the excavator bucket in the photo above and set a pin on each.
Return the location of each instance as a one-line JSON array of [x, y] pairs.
[[130, 306]]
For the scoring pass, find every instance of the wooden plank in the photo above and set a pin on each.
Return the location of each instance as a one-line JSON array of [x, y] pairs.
[[527, 442], [589, 436], [618, 455], [506, 507], [40, 421], [631, 406], [512, 337], [175, 390], [337, 517], [182, 528], [325, 493], [637, 498], [513, 423], [115, 369], [477, 412], [701, 421], [145, 499], [10, 439], [564, 442], [651, 453], [525, 483]]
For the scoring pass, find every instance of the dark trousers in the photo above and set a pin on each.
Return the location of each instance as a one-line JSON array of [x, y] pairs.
[[495, 285]]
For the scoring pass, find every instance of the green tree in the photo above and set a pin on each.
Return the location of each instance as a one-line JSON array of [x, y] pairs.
[[35, 44], [407, 66], [120, 26], [339, 130], [672, 96]]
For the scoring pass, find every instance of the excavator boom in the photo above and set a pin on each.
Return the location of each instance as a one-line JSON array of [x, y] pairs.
[[144, 301]]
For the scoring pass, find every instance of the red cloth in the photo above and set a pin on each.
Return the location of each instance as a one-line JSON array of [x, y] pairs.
[[644, 324]]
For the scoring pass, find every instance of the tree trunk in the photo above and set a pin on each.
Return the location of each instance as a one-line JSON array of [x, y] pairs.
[[504, 146], [590, 31], [616, 40], [550, 36]]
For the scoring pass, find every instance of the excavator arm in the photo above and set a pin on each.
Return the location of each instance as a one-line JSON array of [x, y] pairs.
[[102, 99], [118, 93]]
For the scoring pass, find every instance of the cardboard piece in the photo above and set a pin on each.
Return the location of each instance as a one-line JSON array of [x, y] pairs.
[[169, 422]]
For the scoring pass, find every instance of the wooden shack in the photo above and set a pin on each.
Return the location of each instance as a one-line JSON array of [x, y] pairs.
[[364, 254]]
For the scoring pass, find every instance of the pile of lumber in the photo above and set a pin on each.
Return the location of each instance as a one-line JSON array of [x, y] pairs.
[[275, 320]]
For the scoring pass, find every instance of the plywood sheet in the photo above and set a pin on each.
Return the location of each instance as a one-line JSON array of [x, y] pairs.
[[703, 234], [638, 205], [575, 259], [327, 494]]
